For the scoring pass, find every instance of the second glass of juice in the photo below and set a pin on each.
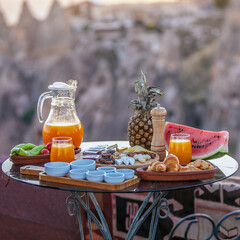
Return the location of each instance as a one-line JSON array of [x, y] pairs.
[[62, 150], [180, 146]]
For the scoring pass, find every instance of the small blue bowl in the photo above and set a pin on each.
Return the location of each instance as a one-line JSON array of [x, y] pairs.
[[107, 169], [128, 173], [78, 173], [85, 163], [114, 177], [95, 176], [57, 169]]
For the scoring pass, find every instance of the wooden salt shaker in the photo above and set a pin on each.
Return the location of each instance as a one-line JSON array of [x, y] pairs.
[[158, 119]]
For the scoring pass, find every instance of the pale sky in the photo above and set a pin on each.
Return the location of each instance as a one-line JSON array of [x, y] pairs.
[[40, 8]]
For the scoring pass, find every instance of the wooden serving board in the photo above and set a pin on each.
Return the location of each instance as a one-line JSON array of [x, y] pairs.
[[31, 159], [31, 170], [135, 166], [39, 171], [89, 184], [175, 176]]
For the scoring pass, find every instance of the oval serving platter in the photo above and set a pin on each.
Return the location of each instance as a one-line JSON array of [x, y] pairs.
[[31, 159], [175, 176]]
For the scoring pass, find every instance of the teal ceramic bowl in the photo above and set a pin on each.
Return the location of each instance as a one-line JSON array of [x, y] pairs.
[[128, 173], [78, 173], [95, 176], [107, 169], [83, 163], [114, 178], [57, 169]]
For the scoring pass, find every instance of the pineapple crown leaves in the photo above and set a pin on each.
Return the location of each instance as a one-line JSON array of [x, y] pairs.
[[146, 95]]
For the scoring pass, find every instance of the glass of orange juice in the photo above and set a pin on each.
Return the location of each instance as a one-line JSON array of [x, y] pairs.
[[180, 146], [62, 150]]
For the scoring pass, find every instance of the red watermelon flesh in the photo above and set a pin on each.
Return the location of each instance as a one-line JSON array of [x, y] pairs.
[[204, 143]]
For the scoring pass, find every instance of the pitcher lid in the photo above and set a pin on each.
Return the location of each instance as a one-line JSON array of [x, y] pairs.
[[61, 86]]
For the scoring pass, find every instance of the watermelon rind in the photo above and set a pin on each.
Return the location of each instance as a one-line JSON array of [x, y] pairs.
[[209, 155], [216, 155], [224, 148]]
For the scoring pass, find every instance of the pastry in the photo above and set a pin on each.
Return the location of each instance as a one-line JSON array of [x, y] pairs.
[[172, 163], [156, 166], [203, 165], [189, 168]]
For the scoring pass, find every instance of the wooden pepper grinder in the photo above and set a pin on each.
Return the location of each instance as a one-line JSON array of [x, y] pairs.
[[158, 119]]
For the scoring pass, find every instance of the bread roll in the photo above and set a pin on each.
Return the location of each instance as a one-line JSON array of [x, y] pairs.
[[161, 167], [172, 163], [156, 166], [203, 165], [189, 168], [184, 168]]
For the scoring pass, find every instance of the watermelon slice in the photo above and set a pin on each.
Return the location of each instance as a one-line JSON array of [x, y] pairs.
[[204, 143]]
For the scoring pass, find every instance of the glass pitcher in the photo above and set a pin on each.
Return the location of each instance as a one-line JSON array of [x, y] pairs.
[[62, 119]]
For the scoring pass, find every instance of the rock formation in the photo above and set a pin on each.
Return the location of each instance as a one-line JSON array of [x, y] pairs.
[[25, 33], [224, 93], [5, 44], [14, 99], [54, 33]]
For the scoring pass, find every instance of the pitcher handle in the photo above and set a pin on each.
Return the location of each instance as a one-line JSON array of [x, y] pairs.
[[41, 101]]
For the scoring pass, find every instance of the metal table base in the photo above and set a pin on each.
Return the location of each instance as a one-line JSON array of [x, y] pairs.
[[75, 202]]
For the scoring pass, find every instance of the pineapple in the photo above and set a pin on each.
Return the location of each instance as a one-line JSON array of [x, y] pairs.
[[140, 129]]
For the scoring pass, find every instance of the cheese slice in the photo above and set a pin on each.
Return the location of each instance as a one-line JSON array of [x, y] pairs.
[[118, 161], [125, 160], [131, 160]]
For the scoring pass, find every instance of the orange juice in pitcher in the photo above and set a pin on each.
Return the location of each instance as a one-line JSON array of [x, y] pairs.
[[58, 129], [62, 119]]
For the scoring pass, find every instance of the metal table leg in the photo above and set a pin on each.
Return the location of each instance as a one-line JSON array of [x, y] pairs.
[[159, 202], [73, 205], [162, 204], [75, 201]]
